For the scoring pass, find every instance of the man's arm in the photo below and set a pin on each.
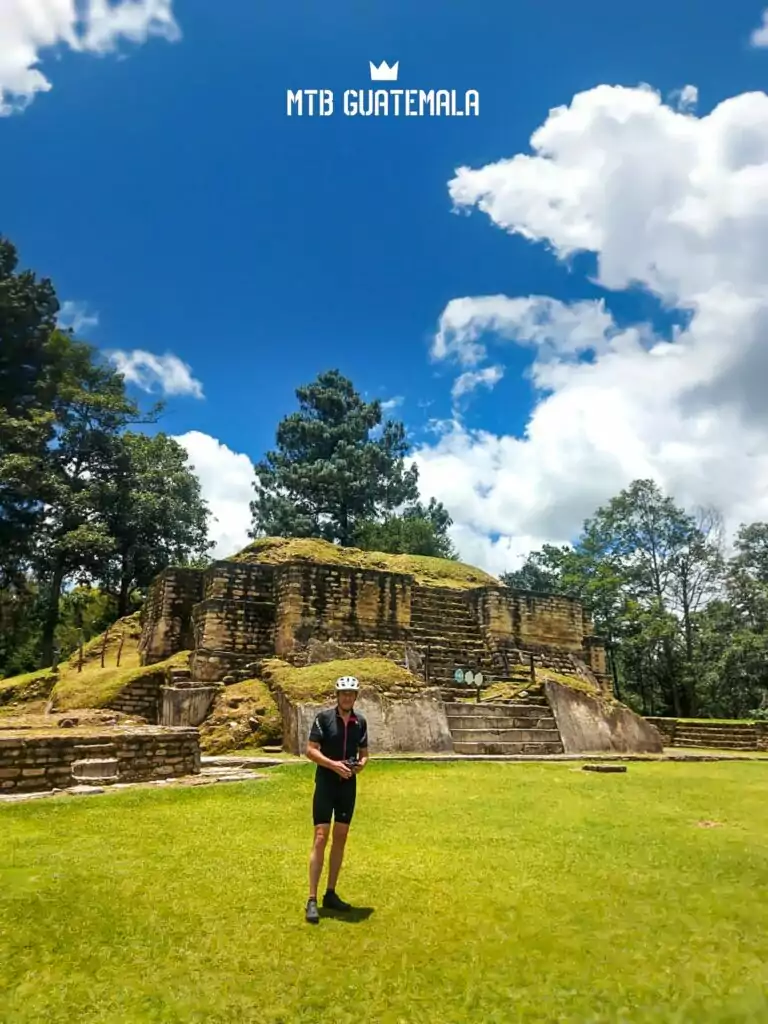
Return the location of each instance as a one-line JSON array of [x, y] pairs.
[[314, 753], [362, 748], [362, 759]]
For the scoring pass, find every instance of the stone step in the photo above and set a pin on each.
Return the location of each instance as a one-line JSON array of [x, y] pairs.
[[446, 655], [505, 735], [442, 619], [494, 723], [444, 671], [507, 748], [89, 751], [441, 632], [454, 710], [95, 768], [710, 742], [709, 738], [730, 730], [441, 635]]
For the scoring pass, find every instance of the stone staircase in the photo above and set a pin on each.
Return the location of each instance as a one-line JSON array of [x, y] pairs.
[[521, 728], [445, 631], [721, 736]]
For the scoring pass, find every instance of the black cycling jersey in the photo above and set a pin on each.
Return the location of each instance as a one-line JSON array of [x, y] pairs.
[[338, 740]]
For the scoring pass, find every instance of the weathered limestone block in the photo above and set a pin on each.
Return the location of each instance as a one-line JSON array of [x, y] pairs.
[[589, 725], [415, 723]]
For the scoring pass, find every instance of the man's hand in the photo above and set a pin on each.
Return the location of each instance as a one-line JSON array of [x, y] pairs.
[[342, 769]]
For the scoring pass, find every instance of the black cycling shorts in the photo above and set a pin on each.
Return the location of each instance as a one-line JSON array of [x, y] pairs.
[[334, 798]]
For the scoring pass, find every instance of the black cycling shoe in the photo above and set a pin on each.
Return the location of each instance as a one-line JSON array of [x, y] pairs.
[[312, 914], [332, 902]]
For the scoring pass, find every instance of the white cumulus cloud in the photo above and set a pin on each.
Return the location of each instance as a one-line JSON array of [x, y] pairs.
[[75, 315], [226, 481], [29, 29], [467, 382], [759, 37], [667, 202], [167, 373], [686, 98]]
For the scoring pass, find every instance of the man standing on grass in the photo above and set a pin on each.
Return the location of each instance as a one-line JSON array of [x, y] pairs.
[[338, 744]]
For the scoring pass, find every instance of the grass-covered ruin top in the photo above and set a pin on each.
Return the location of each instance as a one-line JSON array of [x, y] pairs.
[[316, 682], [426, 571]]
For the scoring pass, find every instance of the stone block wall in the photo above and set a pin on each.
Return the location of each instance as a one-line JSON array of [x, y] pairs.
[[141, 697], [44, 761], [518, 625], [544, 620], [167, 625], [234, 624], [594, 655], [324, 602]]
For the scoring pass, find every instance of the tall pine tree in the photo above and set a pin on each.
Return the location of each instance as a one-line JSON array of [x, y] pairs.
[[333, 470]]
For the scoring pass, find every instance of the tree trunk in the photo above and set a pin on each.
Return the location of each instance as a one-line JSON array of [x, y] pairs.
[[673, 682], [52, 614], [125, 584]]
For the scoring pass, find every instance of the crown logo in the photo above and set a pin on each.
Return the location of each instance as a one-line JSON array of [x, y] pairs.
[[384, 73]]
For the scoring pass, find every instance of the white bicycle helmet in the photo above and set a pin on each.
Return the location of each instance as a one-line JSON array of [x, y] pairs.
[[347, 683]]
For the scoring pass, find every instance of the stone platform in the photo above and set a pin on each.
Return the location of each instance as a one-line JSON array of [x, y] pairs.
[[56, 758]]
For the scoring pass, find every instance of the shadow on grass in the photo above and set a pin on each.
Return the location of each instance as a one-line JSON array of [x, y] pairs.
[[353, 916]]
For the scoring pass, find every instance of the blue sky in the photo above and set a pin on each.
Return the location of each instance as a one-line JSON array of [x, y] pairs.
[[161, 185]]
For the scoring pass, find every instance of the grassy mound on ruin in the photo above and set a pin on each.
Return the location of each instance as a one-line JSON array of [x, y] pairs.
[[30, 688], [315, 683], [426, 571], [244, 715], [95, 686], [92, 686]]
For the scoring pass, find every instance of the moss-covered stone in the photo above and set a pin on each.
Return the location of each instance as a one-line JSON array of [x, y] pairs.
[[96, 687], [316, 682], [32, 686], [426, 571], [243, 716]]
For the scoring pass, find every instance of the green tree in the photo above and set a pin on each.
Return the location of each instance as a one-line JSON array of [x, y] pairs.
[[337, 465], [91, 410], [419, 530], [542, 571], [153, 511], [28, 309]]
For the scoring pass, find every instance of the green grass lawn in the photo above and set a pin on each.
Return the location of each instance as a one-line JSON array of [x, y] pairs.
[[500, 893]]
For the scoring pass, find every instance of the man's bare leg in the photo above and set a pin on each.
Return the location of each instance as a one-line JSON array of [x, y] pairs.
[[317, 857], [337, 853]]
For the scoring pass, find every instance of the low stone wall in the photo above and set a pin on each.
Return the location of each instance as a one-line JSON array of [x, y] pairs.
[[416, 724], [45, 760], [141, 697], [588, 725]]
